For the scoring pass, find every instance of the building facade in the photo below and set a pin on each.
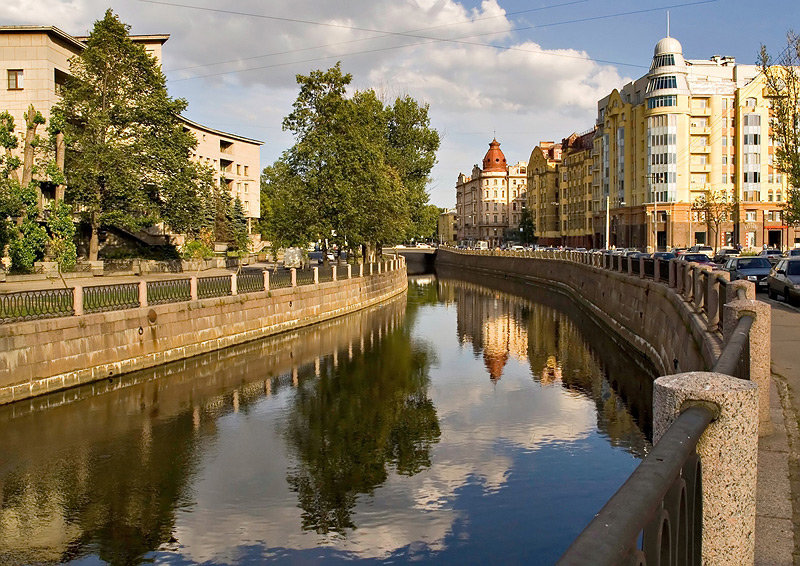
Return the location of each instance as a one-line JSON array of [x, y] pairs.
[[35, 64], [489, 202], [688, 130], [544, 192], [446, 228]]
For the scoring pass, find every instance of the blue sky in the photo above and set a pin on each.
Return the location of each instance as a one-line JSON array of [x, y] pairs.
[[543, 88]]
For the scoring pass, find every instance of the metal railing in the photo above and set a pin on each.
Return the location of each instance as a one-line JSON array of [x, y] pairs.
[[218, 286], [168, 291], [32, 305], [325, 273], [660, 505], [280, 279], [101, 298], [305, 277], [55, 303], [250, 281]]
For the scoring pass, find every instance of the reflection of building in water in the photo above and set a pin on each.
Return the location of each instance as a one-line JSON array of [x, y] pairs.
[[503, 326], [494, 325]]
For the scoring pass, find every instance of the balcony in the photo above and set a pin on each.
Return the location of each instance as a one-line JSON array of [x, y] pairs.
[[699, 130], [699, 168], [699, 148], [696, 111]]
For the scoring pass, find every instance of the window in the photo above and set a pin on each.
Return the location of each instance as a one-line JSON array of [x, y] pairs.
[[245, 170], [15, 79], [751, 102], [658, 83], [663, 61], [749, 215], [660, 101]]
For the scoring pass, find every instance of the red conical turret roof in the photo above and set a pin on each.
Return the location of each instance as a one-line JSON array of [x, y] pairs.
[[494, 159]]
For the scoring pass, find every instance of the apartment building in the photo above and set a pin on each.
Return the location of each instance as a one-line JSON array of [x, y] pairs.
[[490, 201], [687, 128], [576, 190], [446, 227], [35, 63], [544, 194]]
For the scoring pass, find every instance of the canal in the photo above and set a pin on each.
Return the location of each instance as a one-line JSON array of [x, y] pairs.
[[470, 421]]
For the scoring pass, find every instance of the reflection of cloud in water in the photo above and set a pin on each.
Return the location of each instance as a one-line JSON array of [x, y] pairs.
[[476, 449]]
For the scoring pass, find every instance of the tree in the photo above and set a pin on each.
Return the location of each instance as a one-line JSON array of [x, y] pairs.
[[412, 146], [527, 228], [127, 159], [782, 77], [349, 173], [238, 228], [716, 208]]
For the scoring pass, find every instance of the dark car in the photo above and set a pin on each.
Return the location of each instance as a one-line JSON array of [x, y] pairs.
[[794, 252], [702, 259], [664, 256], [784, 280], [749, 268]]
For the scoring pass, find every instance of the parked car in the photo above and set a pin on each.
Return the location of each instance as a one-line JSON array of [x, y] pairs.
[[700, 258], [698, 249], [784, 279], [678, 251], [794, 252], [724, 254], [772, 255], [749, 268], [664, 256]]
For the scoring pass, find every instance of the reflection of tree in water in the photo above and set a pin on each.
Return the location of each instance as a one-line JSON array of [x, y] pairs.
[[116, 501], [355, 422]]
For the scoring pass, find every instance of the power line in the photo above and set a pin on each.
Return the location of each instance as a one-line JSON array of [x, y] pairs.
[[462, 22], [413, 35]]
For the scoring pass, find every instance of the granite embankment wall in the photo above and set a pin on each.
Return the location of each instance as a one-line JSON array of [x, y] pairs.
[[40, 356], [649, 316]]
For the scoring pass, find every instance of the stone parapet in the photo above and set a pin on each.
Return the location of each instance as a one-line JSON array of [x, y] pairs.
[[728, 451], [40, 356]]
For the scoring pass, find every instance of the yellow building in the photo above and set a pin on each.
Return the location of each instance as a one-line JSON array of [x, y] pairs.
[[686, 128], [544, 192], [35, 63], [446, 228], [576, 190], [489, 203]]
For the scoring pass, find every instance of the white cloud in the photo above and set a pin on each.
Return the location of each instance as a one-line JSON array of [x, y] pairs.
[[247, 65]]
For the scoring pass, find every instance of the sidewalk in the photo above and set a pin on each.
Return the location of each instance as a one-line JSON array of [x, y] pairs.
[[777, 503]]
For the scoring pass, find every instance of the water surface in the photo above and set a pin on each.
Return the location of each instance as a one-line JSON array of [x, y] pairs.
[[462, 424]]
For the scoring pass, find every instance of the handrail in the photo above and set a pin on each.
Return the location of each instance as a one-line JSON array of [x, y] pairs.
[[660, 499], [728, 361]]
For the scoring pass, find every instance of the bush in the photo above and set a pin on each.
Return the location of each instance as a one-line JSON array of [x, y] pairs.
[[196, 250]]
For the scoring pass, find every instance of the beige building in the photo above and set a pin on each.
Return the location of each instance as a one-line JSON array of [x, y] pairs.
[[686, 129], [35, 63], [446, 227], [489, 203]]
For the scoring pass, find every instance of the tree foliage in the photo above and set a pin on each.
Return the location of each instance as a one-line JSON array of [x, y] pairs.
[[357, 171], [782, 77], [527, 232], [127, 160], [715, 207]]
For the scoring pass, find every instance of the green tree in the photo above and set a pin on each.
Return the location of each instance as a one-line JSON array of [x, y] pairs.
[[527, 227], [127, 159], [427, 221], [782, 77], [412, 147], [238, 228], [61, 243], [349, 173]]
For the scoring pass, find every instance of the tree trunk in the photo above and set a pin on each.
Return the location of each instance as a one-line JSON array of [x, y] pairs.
[[94, 240], [27, 156], [60, 154]]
